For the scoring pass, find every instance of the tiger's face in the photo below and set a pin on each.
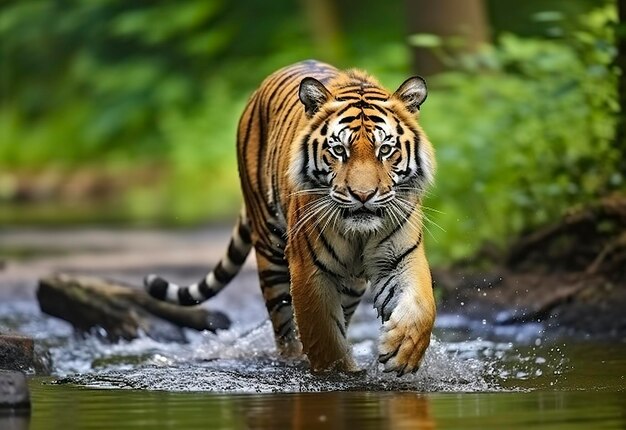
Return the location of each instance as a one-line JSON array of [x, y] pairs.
[[364, 154]]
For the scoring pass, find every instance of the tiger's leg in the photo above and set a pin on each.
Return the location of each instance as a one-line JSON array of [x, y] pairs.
[[274, 279], [351, 297], [316, 294], [404, 299]]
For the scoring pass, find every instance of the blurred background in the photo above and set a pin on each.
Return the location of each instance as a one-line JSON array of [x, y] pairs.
[[124, 113]]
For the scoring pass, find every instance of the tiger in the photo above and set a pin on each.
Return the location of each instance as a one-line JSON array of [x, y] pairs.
[[333, 171]]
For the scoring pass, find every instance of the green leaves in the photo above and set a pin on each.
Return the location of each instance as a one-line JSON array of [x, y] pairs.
[[165, 21], [525, 139]]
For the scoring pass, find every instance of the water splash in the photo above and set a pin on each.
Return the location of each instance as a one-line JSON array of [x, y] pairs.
[[244, 359], [225, 362]]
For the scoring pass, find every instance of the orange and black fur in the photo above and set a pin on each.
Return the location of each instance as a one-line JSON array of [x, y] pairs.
[[333, 168]]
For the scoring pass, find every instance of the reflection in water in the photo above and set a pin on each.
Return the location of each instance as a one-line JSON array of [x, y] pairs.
[[344, 411], [13, 421], [409, 411], [69, 407]]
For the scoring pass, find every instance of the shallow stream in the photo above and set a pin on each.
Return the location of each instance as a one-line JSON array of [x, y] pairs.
[[474, 376]]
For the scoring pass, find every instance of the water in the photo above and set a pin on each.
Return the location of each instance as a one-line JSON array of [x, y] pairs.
[[71, 407], [474, 376]]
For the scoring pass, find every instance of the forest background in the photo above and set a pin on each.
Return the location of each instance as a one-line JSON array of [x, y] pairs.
[[116, 112]]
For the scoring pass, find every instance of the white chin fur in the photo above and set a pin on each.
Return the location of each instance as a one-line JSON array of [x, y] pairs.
[[363, 224]]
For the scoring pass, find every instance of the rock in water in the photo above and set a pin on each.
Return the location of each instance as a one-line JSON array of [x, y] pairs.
[[16, 352]]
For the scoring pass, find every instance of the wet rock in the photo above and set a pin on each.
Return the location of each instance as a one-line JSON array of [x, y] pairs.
[[16, 352], [14, 392], [19, 352]]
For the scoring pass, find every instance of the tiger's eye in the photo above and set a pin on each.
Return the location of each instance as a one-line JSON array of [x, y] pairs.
[[385, 149], [339, 150]]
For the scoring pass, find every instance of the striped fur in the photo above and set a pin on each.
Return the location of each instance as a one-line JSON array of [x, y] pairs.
[[333, 168]]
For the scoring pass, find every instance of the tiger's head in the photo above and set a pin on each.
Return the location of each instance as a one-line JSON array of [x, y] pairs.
[[362, 151]]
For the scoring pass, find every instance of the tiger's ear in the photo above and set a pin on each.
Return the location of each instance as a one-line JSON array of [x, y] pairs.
[[412, 93], [313, 94]]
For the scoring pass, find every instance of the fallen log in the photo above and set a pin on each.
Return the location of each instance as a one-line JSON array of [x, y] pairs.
[[90, 303]]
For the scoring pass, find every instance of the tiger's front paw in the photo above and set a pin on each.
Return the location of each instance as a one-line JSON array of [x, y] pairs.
[[402, 345]]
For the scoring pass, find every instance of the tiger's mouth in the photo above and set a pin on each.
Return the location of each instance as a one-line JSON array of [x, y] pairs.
[[362, 212]]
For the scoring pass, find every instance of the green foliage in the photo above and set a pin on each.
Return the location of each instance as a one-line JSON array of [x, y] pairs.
[[85, 80], [110, 83], [201, 152], [522, 133]]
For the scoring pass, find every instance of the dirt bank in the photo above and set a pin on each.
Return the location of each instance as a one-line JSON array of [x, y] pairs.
[[570, 275]]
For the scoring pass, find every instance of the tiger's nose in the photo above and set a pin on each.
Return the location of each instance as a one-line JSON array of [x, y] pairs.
[[362, 196]]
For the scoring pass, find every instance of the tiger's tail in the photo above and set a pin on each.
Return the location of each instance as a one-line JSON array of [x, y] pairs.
[[227, 268]]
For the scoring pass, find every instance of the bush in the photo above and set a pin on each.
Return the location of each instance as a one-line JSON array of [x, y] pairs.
[[522, 133]]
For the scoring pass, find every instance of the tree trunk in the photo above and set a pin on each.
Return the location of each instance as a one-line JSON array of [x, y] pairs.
[[326, 33], [464, 20], [620, 137]]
